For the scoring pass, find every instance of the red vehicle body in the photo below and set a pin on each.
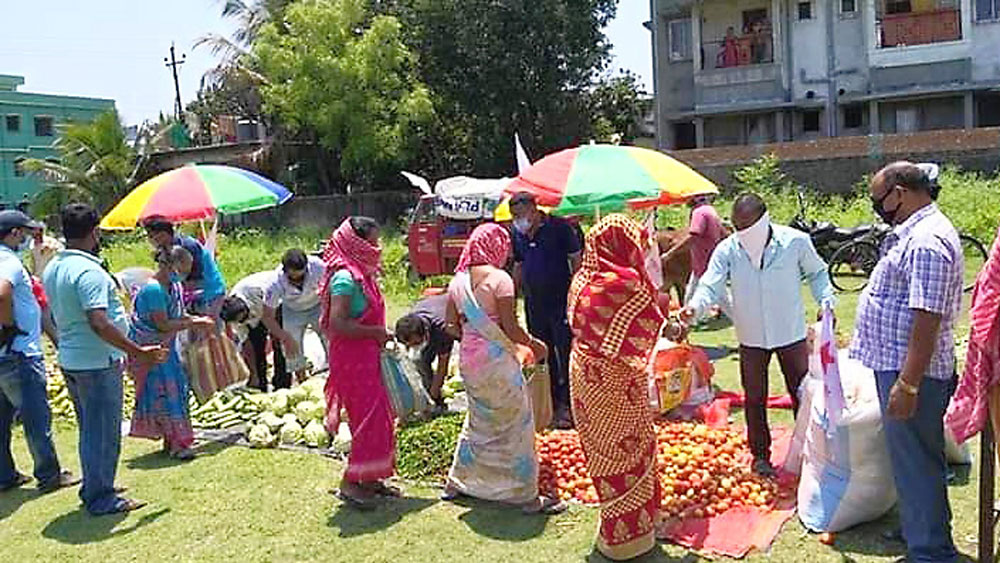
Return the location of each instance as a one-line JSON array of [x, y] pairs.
[[435, 242]]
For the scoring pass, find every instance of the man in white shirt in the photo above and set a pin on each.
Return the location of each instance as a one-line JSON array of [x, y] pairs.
[[243, 310], [296, 292]]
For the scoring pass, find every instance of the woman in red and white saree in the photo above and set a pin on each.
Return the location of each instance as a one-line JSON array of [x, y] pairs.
[[616, 321]]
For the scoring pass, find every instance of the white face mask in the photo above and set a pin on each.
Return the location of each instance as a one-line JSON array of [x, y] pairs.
[[415, 352], [754, 239]]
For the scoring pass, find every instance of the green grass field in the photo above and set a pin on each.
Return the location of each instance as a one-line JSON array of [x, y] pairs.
[[236, 504]]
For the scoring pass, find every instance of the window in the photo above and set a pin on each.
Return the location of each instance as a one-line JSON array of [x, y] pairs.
[[987, 10], [810, 121], [848, 6], [680, 40], [898, 7], [853, 117], [13, 123], [18, 170], [907, 119], [43, 127], [805, 11]]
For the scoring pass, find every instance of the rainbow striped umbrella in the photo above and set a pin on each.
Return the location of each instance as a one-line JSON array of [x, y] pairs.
[[605, 178], [196, 192]]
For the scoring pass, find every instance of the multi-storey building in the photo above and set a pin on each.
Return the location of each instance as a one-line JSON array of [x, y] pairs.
[[28, 128], [738, 72]]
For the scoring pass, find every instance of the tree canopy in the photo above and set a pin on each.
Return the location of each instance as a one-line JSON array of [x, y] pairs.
[[333, 69]]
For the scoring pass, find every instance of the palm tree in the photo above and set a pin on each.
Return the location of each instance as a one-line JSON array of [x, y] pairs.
[[250, 16], [95, 164]]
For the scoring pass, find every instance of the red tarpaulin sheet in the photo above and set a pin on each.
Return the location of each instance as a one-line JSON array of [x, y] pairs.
[[773, 402], [739, 530]]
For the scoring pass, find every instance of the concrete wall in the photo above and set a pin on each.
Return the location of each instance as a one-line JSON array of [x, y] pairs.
[[388, 208], [986, 51], [835, 164]]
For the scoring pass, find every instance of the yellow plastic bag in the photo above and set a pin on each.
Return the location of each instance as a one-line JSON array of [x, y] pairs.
[[670, 377]]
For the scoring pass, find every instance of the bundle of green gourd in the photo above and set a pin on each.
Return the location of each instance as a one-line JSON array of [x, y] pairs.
[[227, 409]]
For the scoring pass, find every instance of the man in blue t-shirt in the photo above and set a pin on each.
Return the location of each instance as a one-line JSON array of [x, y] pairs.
[[22, 365], [92, 328], [205, 280], [546, 255]]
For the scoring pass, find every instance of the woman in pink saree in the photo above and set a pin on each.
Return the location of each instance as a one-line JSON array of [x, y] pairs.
[[495, 458], [353, 318]]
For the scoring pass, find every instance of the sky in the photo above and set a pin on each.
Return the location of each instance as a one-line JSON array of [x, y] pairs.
[[115, 48]]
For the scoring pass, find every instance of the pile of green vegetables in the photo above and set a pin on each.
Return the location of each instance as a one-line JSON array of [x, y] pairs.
[[424, 449]]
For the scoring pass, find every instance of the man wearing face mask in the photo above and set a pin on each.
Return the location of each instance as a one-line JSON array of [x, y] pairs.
[[764, 264], [22, 366], [243, 310], [424, 330], [546, 255], [905, 332], [296, 292]]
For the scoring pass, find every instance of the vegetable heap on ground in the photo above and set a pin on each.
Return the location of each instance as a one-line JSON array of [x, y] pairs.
[[61, 403], [703, 471], [294, 417]]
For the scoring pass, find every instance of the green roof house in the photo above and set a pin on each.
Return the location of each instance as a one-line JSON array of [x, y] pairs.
[[28, 129]]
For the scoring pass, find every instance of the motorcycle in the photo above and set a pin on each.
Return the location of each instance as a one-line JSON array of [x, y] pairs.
[[826, 237]]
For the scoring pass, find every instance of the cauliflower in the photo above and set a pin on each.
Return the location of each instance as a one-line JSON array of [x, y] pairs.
[[288, 418], [260, 437], [297, 395], [309, 410], [291, 433], [316, 388], [279, 402], [272, 421], [342, 441], [316, 436]]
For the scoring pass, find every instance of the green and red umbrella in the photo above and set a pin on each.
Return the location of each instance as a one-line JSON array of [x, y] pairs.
[[605, 178], [196, 192]]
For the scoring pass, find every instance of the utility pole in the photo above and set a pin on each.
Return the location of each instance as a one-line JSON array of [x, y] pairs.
[[173, 63]]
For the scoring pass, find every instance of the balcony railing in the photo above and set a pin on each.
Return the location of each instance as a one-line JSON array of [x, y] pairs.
[[919, 28], [737, 51]]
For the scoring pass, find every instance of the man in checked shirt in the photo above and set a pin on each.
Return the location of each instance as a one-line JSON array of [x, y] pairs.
[[904, 332]]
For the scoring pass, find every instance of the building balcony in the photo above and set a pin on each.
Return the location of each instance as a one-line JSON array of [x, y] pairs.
[[740, 84], [919, 28]]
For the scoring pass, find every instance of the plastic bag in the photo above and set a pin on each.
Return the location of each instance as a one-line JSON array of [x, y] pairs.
[[540, 390], [212, 363], [403, 384], [679, 375], [846, 475]]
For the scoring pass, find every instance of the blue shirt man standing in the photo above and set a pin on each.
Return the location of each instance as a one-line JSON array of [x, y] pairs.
[[546, 255], [764, 265], [22, 366], [92, 328]]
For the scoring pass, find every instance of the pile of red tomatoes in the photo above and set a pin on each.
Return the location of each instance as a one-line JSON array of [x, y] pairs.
[[703, 471]]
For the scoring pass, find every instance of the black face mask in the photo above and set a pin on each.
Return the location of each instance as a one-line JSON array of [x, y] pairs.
[[886, 215]]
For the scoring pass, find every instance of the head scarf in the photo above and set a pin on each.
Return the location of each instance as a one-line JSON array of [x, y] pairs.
[[489, 244], [346, 250], [612, 302]]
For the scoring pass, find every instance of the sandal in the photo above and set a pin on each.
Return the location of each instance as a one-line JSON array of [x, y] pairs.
[[128, 505], [19, 480], [356, 503], [547, 506], [187, 454], [383, 490], [450, 493]]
